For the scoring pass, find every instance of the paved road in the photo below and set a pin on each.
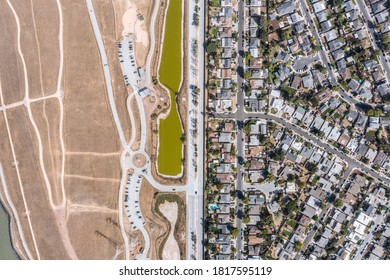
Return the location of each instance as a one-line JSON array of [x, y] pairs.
[[314, 31], [352, 163], [367, 240], [201, 129], [364, 10], [323, 54], [314, 229], [239, 117], [195, 141]]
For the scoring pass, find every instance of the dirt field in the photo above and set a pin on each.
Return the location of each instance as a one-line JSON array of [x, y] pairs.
[[171, 248], [46, 115], [12, 80], [31, 150], [106, 16], [137, 125], [136, 20], [43, 220], [40, 49]]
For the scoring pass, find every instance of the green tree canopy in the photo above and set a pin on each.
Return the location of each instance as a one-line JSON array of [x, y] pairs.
[[211, 47]]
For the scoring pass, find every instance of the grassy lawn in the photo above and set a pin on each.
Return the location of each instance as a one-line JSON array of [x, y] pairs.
[[292, 223]]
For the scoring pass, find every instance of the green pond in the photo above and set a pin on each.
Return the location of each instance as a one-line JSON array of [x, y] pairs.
[[6, 250], [170, 132]]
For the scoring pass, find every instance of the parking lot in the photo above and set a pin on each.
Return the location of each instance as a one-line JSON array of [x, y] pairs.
[[131, 73], [131, 197]]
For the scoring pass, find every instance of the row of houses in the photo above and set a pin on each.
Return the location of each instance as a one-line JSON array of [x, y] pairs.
[[353, 143]]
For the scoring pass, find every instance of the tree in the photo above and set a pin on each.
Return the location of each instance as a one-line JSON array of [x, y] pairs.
[[301, 184], [233, 151], [298, 246], [292, 207], [338, 203], [248, 56], [374, 112], [245, 200], [247, 128], [214, 3], [270, 177], [311, 167], [211, 47], [246, 220], [314, 101], [214, 32], [234, 232], [290, 177], [248, 75]]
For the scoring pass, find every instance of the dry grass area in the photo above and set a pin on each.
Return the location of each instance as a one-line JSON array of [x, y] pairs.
[[14, 191], [106, 15], [103, 236], [39, 48], [46, 115], [85, 164], [44, 221], [137, 123], [87, 227], [12, 80]]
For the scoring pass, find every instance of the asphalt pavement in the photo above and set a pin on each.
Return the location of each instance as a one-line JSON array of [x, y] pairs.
[[364, 11], [239, 116]]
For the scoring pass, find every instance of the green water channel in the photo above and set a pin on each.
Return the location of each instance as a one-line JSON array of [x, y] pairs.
[[170, 132], [6, 250]]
